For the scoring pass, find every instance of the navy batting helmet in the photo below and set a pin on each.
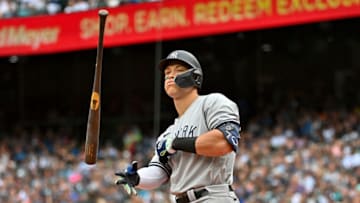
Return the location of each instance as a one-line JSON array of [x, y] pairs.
[[192, 77]]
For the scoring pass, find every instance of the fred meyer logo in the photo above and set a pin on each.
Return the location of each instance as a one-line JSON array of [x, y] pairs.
[[23, 36]]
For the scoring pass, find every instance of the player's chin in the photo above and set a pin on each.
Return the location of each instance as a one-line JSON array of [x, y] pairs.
[[172, 91], [171, 94]]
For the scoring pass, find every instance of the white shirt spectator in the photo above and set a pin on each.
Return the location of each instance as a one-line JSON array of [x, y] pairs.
[[4, 160], [23, 196], [37, 4], [278, 140], [322, 199], [7, 8], [296, 198], [53, 7], [309, 183], [112, 3], [348, 137], [331, 176], [328, 134], [351, 161], [76, 5]]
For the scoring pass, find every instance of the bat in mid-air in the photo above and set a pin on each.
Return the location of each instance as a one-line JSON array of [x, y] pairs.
[[93, 123]]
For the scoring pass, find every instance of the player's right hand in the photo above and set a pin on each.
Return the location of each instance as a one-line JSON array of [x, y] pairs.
[[129, 178], [164, 148]]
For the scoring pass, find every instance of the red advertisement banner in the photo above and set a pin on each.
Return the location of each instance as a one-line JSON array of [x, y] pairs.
[[147, 22]]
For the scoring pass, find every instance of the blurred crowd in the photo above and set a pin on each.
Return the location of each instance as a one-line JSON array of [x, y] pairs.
[[25, 8], [289, 155], [300, 156]]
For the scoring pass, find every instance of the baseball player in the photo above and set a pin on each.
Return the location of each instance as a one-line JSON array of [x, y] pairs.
[[197, 152]]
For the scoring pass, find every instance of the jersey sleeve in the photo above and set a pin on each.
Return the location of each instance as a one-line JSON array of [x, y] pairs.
[[218, 109], [152, 177]]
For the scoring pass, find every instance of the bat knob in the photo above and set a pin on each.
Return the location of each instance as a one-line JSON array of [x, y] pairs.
[[103, 12]]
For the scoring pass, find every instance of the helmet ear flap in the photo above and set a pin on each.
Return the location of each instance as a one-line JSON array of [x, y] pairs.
[[189, 78]]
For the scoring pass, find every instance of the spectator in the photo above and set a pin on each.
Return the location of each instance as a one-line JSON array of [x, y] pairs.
[[112, 3], [55, 6], [76, 6], [31, 7], [7, 8]]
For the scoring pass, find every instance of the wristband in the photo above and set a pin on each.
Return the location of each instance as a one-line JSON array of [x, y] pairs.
[[186, 144]]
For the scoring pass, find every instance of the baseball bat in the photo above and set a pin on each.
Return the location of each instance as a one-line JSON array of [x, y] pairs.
[[93, 123]]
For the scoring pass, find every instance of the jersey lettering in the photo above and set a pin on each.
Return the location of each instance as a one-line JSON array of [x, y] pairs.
[[186, 131], [191, 131]]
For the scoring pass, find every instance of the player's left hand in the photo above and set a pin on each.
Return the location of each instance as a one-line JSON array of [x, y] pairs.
[[129, 178], [164, 148]]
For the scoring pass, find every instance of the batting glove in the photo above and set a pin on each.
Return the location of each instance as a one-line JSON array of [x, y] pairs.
[[164, 148], [129, 178]]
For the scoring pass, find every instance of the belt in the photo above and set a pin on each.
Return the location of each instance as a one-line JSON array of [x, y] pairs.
[[184, 198]]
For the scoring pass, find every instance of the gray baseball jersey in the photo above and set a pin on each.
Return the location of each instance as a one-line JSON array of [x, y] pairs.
[[189, 170]]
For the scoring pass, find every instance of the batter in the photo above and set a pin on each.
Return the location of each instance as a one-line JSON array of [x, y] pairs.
[[196, 154]]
